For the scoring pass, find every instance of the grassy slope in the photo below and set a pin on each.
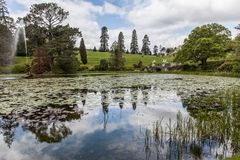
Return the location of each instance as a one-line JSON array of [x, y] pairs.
[[130, 59], [95, 57]]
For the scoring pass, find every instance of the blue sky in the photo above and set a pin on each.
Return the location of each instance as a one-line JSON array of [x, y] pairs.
[[167, 22]]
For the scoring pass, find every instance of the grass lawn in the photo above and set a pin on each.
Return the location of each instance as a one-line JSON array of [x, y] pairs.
[[95, 57], [130, 59]]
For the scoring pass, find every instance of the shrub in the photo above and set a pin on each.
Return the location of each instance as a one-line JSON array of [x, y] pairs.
[[213, 65], [103, 66], [226, 67], [83, 68], [189, 67], [236, 68], [66, 64]]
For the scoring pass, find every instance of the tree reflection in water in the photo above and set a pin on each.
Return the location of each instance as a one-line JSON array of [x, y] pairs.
[[212, 128], [46, 122]]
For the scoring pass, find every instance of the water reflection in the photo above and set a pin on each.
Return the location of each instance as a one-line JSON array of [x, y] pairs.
[[141, 122]]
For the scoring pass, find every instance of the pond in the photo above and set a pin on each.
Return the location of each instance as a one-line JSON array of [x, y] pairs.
[[127, 116]]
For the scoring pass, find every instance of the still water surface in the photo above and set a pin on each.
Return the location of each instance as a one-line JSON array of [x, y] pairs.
[[138, 117]]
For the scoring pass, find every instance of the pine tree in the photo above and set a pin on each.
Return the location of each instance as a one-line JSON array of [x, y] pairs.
[[83, 52], [5, 19], [104, 40], [134, 44], [155, 50], [121, 42], [146, 43]]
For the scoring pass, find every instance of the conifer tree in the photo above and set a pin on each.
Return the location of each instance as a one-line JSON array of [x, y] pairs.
[[134, 44], [104, 40], [121, 42], [146, 43], [83, 52]]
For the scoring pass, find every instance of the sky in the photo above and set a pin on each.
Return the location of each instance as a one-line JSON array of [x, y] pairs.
[[166, 22]]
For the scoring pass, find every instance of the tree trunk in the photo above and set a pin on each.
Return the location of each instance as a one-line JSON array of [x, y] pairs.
[[204, 64]]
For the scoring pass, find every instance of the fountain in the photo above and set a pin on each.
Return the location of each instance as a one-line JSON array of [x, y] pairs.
[[20, 34], [18, 43]]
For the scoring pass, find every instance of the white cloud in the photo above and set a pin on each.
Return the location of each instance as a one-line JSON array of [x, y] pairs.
[[167, 22]]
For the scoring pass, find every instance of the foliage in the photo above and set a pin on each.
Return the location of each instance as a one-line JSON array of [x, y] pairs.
[[155, 50], [94, 49], [66, 64], [104, 40], [116, 60], [83, 52], [146, 43], [134, 44], [40, 63], [121, 45], [5, 19], [46, 16], [5, 45], [104, 65], [204, 42], [139, 65]]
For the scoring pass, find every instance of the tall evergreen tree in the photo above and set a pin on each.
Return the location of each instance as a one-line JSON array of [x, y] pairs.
[[121, 42], [146, 43], [5, 19], [155, 50], [134, 44], [83, 52], [104, 40]]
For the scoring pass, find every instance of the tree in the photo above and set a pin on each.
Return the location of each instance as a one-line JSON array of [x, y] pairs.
[[104, 40], [116, 60], [103, 66], [94, 49], [121, 42], [40, 63], [6, 45], [146, 44], [155, 50], [5, 19], [114, 46], [204, 42], [83, 52], [47, 16], [134, 44]]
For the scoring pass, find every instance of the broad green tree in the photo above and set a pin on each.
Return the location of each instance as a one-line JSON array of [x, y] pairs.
[[121, 42], [145, 48], [47, 16], [83, 52], [134, 44], [104, 40], [204, 42]]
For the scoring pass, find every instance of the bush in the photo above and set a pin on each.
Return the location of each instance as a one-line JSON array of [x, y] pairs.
[[226, 67], [83, 68], [103, 66], [213, 65], [189, 67], [128, 69], [236, 68], [66, 65]]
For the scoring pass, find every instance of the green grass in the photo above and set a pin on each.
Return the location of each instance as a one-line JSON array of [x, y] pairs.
[[235, 157], [130, 59]]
